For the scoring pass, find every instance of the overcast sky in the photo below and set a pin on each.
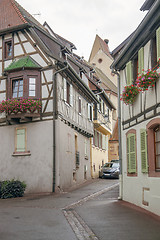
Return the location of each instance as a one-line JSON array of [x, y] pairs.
[[80, 20]]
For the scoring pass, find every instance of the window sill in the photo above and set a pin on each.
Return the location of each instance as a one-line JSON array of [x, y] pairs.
[[27, 153]]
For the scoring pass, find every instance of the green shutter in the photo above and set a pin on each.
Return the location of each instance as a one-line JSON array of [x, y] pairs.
[[158, 43], [20, 140], [129, 73], [131, 153], [144, 163], [128, 156], [141, 60]]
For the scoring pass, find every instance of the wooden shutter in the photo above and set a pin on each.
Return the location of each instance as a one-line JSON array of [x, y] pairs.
[[64, 89], [129, 73], [158, 43], [144, 163], [131, 153], [141, 60], [71, 95], [20, 140]]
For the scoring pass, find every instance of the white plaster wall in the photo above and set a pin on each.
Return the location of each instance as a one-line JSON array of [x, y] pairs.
[[65, 156], [98, 155], [18, 50], [28, 47], [36, 170], [22, 37], [39, 60], [105, 65], [133, 186]]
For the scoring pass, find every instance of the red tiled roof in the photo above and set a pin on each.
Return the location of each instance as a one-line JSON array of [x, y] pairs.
[[10, 15]]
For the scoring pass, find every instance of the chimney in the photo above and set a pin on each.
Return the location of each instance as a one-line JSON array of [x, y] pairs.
[[106, 41]]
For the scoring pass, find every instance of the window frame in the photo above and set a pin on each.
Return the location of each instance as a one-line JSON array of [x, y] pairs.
[[21, 153], [131, 132], [25, 75], [151, 148], [5, 43], [79, 105]]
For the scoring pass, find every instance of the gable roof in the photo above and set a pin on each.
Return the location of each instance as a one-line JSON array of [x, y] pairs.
[[64, 41], [14, 15], [99, 44], [25, 62]]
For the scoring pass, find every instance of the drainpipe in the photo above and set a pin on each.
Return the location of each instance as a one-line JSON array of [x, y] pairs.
[[119, 136], [54, 122]]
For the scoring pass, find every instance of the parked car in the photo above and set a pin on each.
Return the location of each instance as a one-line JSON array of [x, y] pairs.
[[110, 170], [115, 160]]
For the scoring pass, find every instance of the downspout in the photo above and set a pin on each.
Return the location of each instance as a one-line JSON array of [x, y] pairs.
[[54, 122], [119, 136]]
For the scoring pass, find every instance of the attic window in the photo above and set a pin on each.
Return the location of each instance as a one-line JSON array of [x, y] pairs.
[[100, 60], [8, 49]]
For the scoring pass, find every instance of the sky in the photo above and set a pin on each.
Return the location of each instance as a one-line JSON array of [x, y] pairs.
[[80, 20]]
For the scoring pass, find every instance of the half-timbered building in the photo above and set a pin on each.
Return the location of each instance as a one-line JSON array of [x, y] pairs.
[[45, 110], [139, 65]]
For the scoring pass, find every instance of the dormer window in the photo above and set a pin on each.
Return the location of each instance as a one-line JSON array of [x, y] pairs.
[[8, 49]]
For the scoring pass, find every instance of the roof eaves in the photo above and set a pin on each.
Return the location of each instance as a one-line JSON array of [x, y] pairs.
[[137, 39], [79, 81], [11, 29]]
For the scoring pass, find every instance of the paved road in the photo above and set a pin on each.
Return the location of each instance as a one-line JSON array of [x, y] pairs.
[[90, 212], [42, 217]]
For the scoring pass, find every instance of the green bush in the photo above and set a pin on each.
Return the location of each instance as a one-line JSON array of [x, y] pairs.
[[12, 189]]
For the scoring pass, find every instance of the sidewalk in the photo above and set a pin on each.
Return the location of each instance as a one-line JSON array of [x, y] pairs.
[[112, 219]]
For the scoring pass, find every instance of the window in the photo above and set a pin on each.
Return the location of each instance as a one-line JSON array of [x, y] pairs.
[[153, 52], [90, 112], [157, 147], [8, 49], [17, 88], [144, 161], [20, 144], [131, 152], [79, 105], [153, 135], [23, 84], [67, 92], [135, 68], [32, 87]]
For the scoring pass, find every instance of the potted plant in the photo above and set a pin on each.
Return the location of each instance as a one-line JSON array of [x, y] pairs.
[[147, 80], [22, 105], [129, 94]]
